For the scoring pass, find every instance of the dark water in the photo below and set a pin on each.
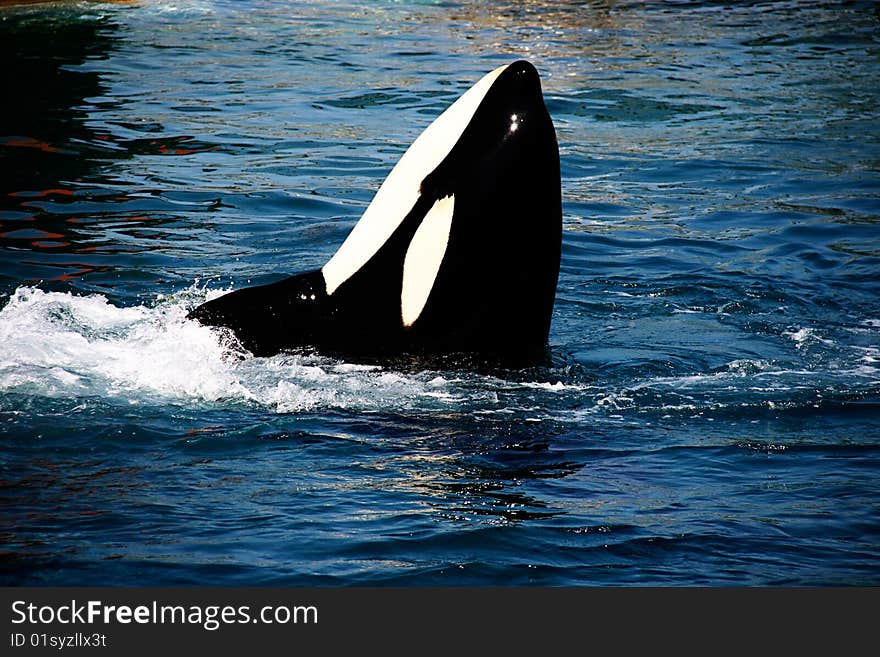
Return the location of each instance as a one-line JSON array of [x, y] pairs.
[[712, 415]]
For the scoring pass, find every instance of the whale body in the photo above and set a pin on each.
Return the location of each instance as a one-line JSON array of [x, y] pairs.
[[457, 254]]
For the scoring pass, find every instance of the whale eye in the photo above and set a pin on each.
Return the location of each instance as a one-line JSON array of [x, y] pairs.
[[514, 122]]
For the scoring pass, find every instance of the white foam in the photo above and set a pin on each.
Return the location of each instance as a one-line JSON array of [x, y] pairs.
[[869, 354], [56, 343], [559, 386], [736, 369], [804, 336], [62, 345]]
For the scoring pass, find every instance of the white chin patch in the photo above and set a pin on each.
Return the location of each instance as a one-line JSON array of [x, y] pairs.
[[423, 259], [400, 191]]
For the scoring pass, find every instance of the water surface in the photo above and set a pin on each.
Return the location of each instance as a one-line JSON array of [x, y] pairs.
[[710, 415]]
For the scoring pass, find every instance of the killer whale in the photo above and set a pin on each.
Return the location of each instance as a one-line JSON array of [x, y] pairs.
[[457, 254]]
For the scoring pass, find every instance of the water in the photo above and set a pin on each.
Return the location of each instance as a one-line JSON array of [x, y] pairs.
[[711, 412]]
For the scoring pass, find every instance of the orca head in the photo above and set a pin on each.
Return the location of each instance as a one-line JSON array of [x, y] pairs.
[[465, 231], [508, 130]]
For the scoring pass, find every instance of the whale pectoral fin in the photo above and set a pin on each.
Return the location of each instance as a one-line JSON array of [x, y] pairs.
[[269, 318], [423, 259]]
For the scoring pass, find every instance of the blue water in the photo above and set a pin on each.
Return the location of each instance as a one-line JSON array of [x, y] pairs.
[[712, 412]]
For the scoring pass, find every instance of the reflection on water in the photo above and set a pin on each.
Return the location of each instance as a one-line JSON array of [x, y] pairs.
[[46, 146], [62, 215]]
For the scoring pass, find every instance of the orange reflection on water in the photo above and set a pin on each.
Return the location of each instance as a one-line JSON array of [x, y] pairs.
[[79, 268], [30, 142], [43, 193], [30, 234], [79, 273], [49, 245]]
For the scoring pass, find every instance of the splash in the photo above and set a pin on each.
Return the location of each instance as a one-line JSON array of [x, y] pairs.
[[55, 344], [61, 345]]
